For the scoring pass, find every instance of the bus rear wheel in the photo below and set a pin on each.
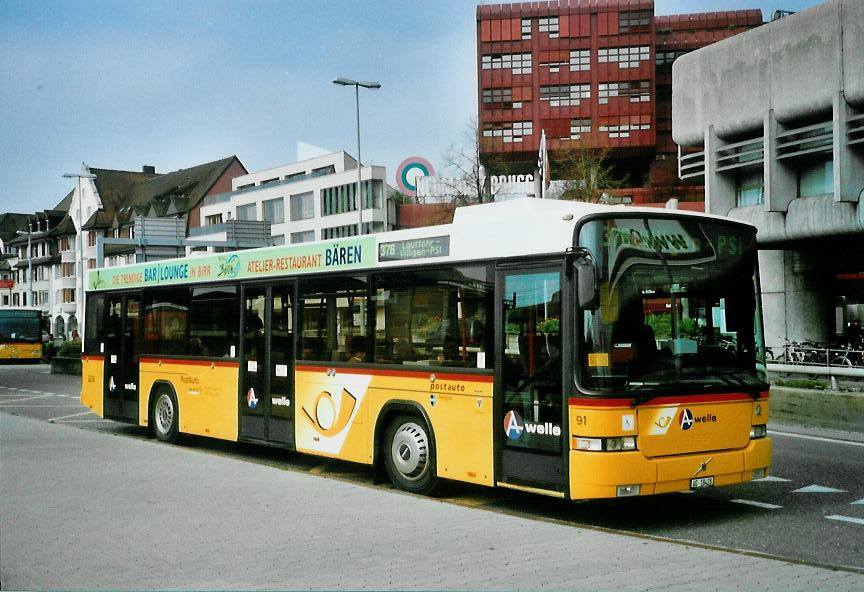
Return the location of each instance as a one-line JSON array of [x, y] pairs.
[[164, 417], [409, 455]]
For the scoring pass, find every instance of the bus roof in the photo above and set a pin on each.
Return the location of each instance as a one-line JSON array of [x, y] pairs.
[[515, 228]]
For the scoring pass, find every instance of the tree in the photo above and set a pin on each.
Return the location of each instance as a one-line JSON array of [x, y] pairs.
[[470, 182], [588, 176]]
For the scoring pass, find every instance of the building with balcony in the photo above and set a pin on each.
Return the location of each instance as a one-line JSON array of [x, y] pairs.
[[309, 200], [50, 252], [772, 122], [591, 74]]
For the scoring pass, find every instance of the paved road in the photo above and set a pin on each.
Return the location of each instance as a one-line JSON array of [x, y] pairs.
[[774, 517]]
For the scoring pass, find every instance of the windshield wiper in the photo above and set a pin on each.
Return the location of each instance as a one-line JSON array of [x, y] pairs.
[[731, 377], [636, 401]]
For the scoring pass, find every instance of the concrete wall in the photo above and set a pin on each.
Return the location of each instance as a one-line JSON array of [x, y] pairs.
[[793, 66], [815, 408]]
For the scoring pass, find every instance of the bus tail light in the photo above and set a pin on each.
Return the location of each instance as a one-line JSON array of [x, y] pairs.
[[758, 431], [605, 444]]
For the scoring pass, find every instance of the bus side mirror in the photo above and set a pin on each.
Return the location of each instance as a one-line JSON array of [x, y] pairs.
[[586, 285]]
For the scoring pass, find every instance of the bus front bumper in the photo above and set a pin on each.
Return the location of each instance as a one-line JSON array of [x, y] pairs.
[[624, 474]]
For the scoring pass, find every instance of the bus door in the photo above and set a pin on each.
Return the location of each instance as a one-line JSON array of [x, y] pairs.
[[267, 365], [530, 432], [121, 340]]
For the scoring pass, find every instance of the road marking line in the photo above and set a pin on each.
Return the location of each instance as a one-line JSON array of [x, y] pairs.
[[817, 438], [846, 519], [27, 398], [772, 478], [818, 489], [73, 415], [858, 503], [91, 421], [40, 406], [757, 504]]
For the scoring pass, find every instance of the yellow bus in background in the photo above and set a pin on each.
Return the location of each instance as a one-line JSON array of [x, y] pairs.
[[20, 335], [568, 349]]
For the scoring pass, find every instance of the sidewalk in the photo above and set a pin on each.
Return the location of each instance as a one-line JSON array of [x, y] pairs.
[[82, 509]]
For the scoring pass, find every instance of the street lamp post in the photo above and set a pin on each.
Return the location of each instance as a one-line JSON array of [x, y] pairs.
[[80, 240], [356, 84]]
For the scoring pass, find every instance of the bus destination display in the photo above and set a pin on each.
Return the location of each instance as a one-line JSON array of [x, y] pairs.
[[421, 248]]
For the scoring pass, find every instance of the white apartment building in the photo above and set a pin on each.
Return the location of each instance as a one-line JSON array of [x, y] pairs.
[[309, 200]]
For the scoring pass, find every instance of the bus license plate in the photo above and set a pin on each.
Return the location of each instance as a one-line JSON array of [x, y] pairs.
[[701, 482]]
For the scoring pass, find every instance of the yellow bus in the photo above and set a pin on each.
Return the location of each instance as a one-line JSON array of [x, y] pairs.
[[20, 335], [563, 348]]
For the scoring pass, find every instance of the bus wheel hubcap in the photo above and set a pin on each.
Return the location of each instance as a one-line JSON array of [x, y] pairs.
[[410, 451], [164, 414]]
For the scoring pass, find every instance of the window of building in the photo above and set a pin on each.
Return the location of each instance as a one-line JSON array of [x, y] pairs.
[[625, 57], [269, 181], [273, 210], [526, 28], [580, 60], [67, 269], [213, 219], [339, 231], [325, 170], [91, 238], [68, 295], [302, 206], [634, 21], [565, 95], [666, 58], [305, 236], [341, 199], [749, 189], [548, 25], [64, 243], [621, 126], [91, 264], [501, 98], [636, 90], [246, 212], [508, 131], [16, 299], [5, 299], [519, 63], [816, 176], [333, 320], [246, 186], [441, 317]]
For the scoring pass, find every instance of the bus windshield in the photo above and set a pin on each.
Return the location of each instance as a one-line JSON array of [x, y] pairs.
[[20, 326], [677, 309]]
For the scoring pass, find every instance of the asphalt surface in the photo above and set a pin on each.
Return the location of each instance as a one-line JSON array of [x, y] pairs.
[[789, 520]]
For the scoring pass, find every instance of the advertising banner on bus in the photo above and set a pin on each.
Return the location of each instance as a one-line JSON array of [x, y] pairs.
[[337, 255]]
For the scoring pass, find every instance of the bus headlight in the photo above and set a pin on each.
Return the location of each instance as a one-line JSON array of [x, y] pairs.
[[619, 444], [758, 431]]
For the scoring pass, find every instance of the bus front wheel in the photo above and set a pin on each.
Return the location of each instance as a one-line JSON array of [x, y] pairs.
[[164, 417], [409, 455]]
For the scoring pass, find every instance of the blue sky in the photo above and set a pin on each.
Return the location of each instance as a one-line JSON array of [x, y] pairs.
[[178, 83]]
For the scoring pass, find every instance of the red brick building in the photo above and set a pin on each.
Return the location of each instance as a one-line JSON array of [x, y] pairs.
[[596, 72]]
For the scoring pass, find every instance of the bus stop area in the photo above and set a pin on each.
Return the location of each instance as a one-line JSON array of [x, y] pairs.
[[137, 514]]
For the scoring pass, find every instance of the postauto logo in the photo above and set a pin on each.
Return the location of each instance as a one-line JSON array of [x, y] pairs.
[[514, 427]]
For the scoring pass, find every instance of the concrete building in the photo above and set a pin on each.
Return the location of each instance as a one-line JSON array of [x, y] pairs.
[[591, 73], [309, 200], [773, 121]]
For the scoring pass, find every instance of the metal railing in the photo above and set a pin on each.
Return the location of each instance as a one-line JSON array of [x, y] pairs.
[[814, 359]]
